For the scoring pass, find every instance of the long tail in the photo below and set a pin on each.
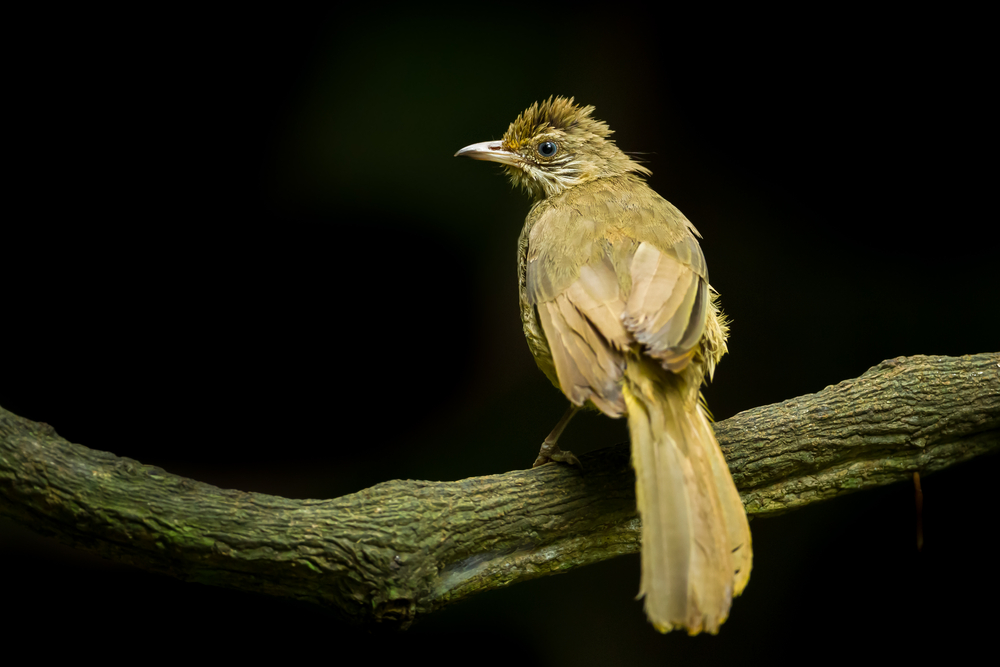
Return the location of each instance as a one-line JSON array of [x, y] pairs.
[[696, 551]]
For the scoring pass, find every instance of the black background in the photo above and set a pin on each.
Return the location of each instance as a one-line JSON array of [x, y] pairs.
[[238, 247]]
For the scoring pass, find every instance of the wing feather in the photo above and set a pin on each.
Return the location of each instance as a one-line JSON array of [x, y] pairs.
[[666, 309], [587, 366]]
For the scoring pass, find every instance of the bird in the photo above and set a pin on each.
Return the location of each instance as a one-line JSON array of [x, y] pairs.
[[618, 313]]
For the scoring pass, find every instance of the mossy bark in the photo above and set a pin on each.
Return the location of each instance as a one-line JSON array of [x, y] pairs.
[[404, 548]]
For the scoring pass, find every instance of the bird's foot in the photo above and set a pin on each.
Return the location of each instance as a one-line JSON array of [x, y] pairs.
[[550, 452]]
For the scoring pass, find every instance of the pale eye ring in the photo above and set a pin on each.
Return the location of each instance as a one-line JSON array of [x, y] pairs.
[[547, 148]]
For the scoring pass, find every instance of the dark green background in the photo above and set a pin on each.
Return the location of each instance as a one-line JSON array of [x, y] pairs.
[[237, 246]]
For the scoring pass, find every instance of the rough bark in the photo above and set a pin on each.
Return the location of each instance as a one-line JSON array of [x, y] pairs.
[[403, 548]]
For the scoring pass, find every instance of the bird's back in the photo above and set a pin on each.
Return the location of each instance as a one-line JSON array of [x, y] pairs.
[[577, 253]]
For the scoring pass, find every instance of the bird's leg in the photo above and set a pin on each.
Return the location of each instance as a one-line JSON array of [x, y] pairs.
[[549, 451]]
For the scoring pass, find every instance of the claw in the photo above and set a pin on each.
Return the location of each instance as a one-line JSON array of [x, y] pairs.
[[550, 453]]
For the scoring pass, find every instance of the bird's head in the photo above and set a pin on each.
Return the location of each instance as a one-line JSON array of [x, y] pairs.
[[554, 145]]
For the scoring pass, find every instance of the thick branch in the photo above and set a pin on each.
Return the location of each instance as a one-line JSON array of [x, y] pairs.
[[404, 548]]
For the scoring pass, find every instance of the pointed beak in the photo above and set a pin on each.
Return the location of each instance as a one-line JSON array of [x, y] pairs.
[[490, 150]]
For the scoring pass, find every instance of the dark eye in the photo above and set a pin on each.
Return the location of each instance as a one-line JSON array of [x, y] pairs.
[[547, 148]]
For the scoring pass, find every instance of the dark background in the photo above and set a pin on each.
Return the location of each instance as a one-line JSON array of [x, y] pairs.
[[238, 247]]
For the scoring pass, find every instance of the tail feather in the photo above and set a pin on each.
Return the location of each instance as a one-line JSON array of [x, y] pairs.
[[696, 552]]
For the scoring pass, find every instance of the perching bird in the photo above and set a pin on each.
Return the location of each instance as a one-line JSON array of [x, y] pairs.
[[618, 313]]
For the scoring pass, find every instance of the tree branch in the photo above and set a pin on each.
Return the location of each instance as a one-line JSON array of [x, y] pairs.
[[404, 548]]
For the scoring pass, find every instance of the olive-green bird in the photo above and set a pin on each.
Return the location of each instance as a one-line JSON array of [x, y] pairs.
[[618, 313]]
